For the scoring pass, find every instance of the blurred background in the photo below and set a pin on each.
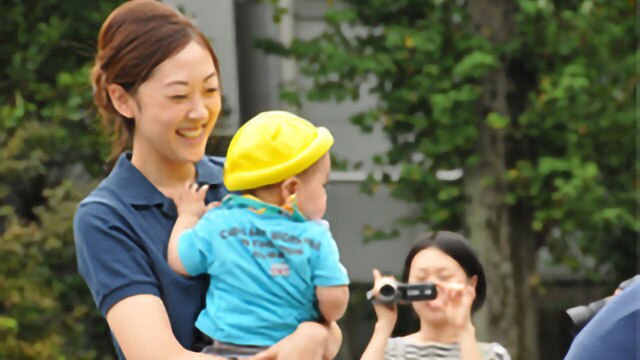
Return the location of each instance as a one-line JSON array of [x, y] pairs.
[[514, 122]]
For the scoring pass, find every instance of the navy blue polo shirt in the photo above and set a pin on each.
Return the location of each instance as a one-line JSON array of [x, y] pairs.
[[121, 233]]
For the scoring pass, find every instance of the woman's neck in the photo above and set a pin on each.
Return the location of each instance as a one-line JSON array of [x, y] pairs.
[[428, 332], [162, 172]]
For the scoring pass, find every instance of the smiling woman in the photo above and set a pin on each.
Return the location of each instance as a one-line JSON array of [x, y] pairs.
[[172, 132], [157, 86], [133, 45]]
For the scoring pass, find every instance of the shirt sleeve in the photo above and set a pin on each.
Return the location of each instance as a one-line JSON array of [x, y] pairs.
[[326, 269], [113, 265], [391, 350], [195, 246], [499, 352]]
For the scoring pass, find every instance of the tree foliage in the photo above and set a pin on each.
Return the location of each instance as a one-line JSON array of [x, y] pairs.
[[51, 149], [569, 135]]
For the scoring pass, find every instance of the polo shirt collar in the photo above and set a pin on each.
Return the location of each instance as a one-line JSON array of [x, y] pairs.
[[136, 189], [207, 173]]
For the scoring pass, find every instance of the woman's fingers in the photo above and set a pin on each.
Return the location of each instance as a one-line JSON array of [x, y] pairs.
[[379, 280], [376, 275]]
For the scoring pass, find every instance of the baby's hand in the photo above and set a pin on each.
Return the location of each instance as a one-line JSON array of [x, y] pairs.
[[189, 200]]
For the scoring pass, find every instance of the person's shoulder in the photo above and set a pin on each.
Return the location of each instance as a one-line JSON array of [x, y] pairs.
[[95, 215], [104, 205], [102, 197]]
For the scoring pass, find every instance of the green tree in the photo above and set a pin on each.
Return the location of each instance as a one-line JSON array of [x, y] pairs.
[[51, 150], [533, 99]]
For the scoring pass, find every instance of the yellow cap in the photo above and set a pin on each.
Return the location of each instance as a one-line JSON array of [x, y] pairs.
[[272, 147]]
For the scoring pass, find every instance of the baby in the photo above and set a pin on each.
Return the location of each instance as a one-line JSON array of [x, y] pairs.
[[272, 259]]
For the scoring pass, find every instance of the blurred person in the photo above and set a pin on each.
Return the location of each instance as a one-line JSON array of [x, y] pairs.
[[156, 83], [614, 332], [580, 315], [272, 259], [446, 329]]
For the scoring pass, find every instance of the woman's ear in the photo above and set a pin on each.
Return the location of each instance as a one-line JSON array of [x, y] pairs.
[[473, 281], [121, 100], [289, 187]]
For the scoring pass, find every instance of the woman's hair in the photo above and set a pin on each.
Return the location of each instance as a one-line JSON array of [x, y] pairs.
[[136, 37], [457, 247]]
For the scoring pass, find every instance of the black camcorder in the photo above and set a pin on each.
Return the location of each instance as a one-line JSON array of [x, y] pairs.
[[392, 292]]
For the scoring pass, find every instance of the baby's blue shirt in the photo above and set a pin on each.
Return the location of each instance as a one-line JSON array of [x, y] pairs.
[[264, 265]]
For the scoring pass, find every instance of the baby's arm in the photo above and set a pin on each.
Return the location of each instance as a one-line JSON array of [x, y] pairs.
[[329, 276], [332, 301], [190, 204]]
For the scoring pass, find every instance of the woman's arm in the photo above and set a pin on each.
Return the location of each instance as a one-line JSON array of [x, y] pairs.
[[387, 317], [459, 300], [141, 326], [378, 343], [469, 348], [316, 341]]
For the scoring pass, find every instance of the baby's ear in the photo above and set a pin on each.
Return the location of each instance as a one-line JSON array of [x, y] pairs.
[[289, 187]]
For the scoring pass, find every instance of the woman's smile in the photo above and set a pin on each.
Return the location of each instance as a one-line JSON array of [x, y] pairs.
[[192, 132]]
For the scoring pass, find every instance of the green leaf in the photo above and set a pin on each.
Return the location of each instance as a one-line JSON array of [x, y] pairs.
[[497, 121], [475, 64], [7, 323]]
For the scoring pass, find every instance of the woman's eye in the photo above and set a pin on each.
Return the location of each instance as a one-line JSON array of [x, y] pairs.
[[178, 97], [211, 90]]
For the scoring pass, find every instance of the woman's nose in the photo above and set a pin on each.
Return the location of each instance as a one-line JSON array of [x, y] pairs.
[[198, 109]]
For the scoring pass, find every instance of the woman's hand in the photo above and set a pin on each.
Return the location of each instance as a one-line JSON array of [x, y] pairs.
[[316, 341], [189, 200], [387, 317], [387, 314], [457, 304]]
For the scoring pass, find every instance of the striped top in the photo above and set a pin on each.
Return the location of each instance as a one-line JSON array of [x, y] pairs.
[[400, 349]]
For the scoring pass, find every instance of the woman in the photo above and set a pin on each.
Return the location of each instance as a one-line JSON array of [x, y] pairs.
[[156, 83], [446, 330]]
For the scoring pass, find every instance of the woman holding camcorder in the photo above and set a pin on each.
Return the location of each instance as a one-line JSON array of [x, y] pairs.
[[445, 284]]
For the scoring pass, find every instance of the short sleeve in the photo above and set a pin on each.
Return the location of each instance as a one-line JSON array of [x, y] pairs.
[[195, 246], [391, 350], [113, 265], [326, 268], [499, 352]]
